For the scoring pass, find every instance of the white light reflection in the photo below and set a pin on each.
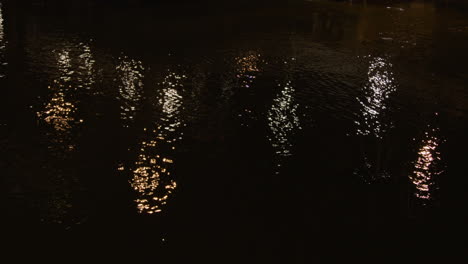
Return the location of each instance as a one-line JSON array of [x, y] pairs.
[[1, 25], [283, 120], [64, 65], [86, 77], [2, 44], [372, 121], [75, 64], [426, 167], [59, 112], [172, 101], [152, 177], [379, 87], [130, 88], [59, 117]]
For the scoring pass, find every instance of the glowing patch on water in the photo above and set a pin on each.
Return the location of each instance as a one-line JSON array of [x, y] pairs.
[[379, 87]]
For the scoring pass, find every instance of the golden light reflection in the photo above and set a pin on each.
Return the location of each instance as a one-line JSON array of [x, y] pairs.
[[247, 66], [426, 167], [58, 113], [152, 178], [379, 87], [283, 120], [130, 88]]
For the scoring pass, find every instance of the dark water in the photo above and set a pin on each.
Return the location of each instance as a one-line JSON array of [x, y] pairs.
[[247, 134]]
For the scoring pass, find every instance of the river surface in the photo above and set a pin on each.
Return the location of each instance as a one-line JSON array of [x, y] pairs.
[[247, 134]]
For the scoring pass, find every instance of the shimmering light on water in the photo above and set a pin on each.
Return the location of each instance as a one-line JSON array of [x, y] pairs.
[[64, 65], [283, 120], [58, 112], [373, 122], [59, 118], [130, 88], [376, 92], [152, 177], [1, 23], [171, 101], [427, 166], [87, 67], [176, 123], [3, 43], [247, 67]]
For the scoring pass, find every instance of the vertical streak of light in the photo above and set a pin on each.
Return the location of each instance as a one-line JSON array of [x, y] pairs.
[[372, 118], [378, 89], [283, 117], [247, 66], [2, 44], [64, 65], [2, 34], [87, 78], [246, 73], [283, 120], [426, 167], [1, 22], [152, 177], [130, 88], [60, 115]]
